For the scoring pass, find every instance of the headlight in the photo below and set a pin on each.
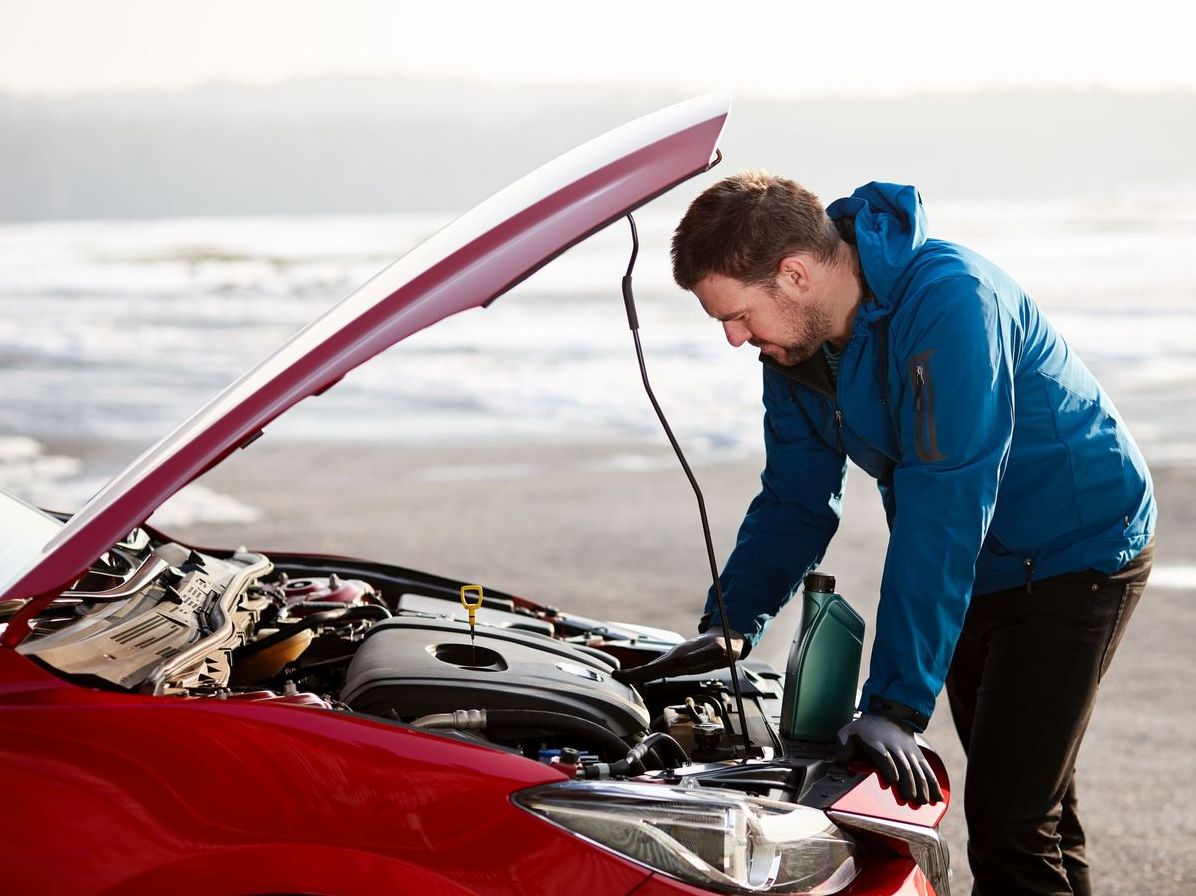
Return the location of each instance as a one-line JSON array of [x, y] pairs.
[[717, 839]]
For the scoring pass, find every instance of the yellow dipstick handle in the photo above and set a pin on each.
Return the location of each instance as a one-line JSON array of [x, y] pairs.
[[471, 604]]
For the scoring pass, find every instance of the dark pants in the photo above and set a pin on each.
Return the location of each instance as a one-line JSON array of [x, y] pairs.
[[1022, 684]]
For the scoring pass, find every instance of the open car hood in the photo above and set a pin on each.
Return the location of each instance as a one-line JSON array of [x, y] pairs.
[[470, 262]]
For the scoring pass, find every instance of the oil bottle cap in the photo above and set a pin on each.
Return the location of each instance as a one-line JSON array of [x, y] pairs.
[[818, 581]]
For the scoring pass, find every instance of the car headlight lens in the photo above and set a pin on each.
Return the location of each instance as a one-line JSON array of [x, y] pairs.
[[717, 839]]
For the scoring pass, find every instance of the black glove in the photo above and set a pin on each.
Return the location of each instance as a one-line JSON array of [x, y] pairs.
[[701, 654], [892, 749]]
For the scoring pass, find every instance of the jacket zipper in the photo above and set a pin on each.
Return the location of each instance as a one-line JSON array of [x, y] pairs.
[[926, 441], [839, 430], [881, 332], [1029, 576]]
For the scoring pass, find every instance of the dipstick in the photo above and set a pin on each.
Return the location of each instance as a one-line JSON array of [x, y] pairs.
[[471, 599]]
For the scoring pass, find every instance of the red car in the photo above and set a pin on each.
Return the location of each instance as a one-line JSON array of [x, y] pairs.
[[190, 720]]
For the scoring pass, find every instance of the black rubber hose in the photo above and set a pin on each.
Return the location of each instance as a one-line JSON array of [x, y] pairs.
[[660, 739], [634, 763], [557, 722]]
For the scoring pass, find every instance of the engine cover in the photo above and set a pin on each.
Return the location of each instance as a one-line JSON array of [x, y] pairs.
[[410, 667]]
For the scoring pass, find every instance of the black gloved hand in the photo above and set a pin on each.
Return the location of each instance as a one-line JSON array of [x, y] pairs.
[[892, 748], [701, 654]]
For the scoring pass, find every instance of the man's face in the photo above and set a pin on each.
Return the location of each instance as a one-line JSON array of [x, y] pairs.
[[786, 322]]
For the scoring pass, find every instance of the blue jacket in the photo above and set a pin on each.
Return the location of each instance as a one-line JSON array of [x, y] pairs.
[[999, 458]]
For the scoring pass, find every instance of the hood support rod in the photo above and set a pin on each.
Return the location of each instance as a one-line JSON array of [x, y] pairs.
[[634, 324]]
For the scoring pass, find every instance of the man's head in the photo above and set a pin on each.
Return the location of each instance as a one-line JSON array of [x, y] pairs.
[[762, 256]]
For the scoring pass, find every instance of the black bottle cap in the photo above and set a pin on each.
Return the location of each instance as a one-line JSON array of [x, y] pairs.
[[819, 581]]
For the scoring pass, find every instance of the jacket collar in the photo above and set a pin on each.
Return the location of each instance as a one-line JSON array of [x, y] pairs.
[[814, 372]]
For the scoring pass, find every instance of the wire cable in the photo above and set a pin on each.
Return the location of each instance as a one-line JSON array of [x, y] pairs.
[[633, 322]]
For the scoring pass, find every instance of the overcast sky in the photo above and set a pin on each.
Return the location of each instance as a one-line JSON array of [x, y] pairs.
[[787, 48]]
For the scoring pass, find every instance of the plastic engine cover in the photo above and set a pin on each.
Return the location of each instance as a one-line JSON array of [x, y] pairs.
[[412, 667]]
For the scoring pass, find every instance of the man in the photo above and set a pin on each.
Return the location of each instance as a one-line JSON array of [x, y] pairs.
[[1020, 510]]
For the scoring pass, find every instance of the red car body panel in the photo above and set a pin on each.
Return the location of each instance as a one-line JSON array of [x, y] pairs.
[[468, 264], [135, 794], [877, 798]]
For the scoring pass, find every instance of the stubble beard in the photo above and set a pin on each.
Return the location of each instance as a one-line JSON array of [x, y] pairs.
[[810, 326]]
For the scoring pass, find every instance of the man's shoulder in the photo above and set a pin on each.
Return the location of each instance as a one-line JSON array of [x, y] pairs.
[[943, 272], [944, 262], [953, 291]]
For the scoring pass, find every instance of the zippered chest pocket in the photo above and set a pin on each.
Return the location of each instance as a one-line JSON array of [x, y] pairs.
[[926, 440]]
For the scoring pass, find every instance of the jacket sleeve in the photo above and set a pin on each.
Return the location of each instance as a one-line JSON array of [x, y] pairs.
[[953, 357], [789, 523]]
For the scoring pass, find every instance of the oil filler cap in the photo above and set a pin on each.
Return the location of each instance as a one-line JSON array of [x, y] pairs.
[[817, 581]]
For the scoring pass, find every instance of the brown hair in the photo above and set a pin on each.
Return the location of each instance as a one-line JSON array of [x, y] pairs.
[[745, 224]]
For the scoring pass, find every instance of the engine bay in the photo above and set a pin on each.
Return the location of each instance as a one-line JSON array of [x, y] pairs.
[[156, 617]]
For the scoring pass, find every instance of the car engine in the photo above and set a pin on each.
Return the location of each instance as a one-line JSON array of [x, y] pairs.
[[157, 617]]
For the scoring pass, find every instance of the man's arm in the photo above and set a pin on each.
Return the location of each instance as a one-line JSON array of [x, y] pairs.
[[789, 523], [955, 363]]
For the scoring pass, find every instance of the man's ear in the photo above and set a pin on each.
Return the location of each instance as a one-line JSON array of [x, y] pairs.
[[794, 270]]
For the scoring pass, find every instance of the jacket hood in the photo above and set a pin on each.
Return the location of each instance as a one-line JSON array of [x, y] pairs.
[[890, 228]]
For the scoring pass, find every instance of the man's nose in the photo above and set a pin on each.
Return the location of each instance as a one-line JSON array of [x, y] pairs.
[[737, 333]]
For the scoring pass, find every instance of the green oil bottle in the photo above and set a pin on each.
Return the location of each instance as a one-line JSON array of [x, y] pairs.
[[824, 664]]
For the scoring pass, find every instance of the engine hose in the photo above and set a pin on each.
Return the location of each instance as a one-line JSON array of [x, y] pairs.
[[635, 757], [659, 738], [633, 763], [315, 620], [516, 719]]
